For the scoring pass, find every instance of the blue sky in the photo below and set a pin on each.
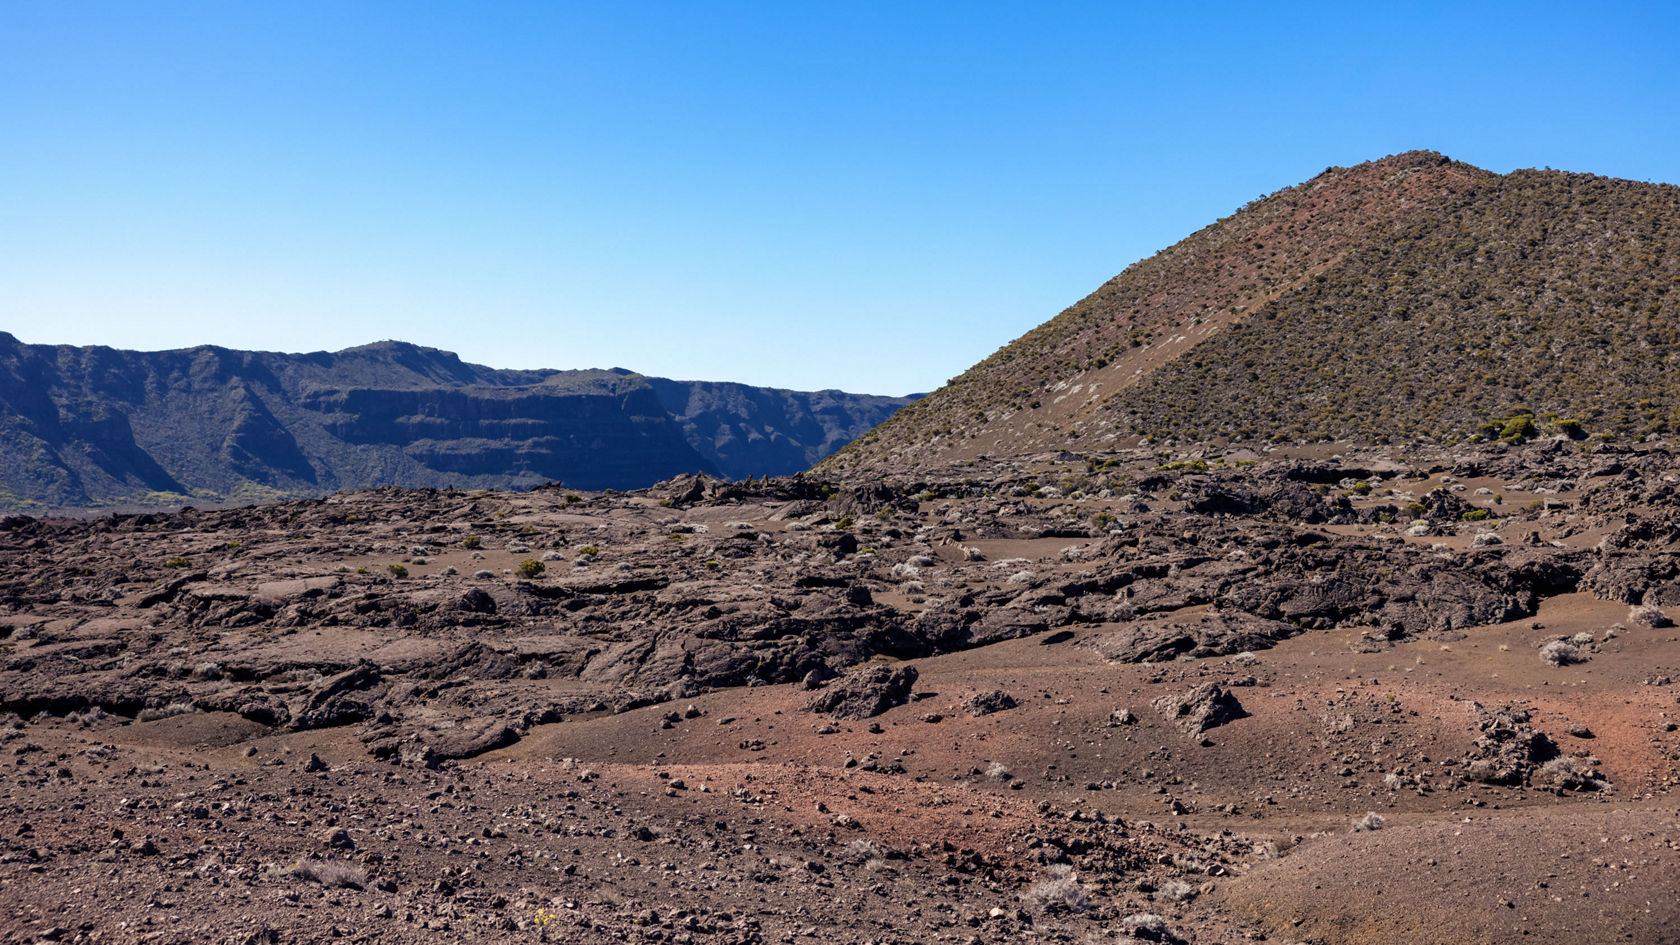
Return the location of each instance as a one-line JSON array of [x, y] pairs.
[[869, 196]]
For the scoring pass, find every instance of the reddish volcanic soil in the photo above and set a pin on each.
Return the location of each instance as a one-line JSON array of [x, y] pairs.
[[449, 756]]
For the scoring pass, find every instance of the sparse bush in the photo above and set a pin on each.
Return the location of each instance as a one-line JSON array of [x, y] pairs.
[[1145, 925], [1060, 891], [397, 570], [1570, 774], [88, 717], [1371, 821], [472, 542], [862, 850], [1518, 428], [1561, 653], [531, 567], [179, 561], [331, 873], [1188, 864], [1177, 890], [167, 711], [1648, 618], [589, 551]]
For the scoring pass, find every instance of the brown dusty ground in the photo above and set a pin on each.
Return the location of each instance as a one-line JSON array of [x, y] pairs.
[[735, 815]]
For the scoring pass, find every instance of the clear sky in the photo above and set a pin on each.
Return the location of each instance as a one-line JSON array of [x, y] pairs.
[[862, 195]]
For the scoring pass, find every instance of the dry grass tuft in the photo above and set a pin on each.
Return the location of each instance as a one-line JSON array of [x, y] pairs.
[[331, 873]]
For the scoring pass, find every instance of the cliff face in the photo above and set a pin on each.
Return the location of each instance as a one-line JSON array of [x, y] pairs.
[[756, 431], [97, 426]]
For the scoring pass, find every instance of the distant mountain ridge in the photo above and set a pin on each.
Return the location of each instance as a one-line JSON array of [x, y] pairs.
[[97, 426], [1414, 297]]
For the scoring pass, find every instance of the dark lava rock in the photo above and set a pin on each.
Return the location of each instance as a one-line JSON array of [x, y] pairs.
[[1509, 748], [1281, 502], [265, 712], [839, 544], [985, 703], [1208, 634], [866, 692], [472, 738], [476, 601], [683, 490], [1441, 506], [1209, 705], [340, 700]]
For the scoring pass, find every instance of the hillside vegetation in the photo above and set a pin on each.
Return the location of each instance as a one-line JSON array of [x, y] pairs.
[[1405, 298]]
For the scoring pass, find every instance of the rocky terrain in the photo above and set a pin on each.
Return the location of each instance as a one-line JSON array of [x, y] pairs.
[[101, 428], [1109, 640], [1295, 695]]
